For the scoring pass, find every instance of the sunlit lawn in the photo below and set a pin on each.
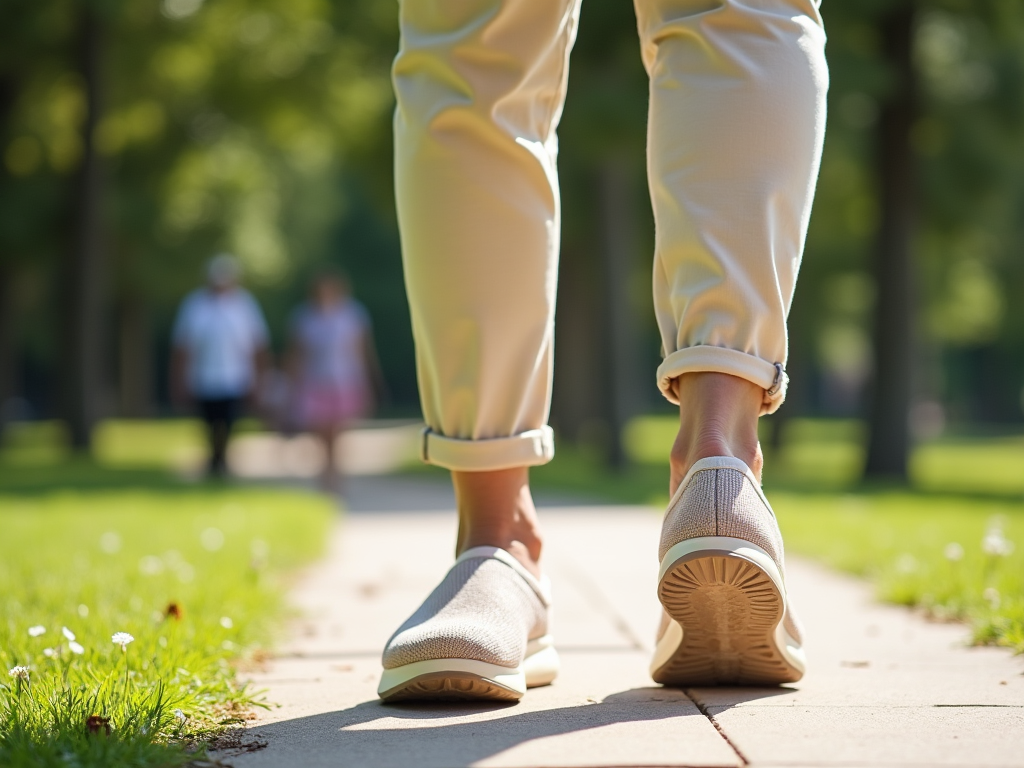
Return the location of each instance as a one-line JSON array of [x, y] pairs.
[[954, 556], [195, 574]]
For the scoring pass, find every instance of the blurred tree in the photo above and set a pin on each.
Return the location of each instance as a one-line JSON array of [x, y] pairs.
[[605, 339], [32, 57], [262, 127], [82, 275], [226, 127], [928, 90], [888, 450]]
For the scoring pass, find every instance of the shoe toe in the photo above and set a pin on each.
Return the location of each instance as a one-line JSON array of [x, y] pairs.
[[455, 638]]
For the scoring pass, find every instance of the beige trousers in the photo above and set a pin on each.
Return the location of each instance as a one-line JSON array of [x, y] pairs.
[[736, 123]]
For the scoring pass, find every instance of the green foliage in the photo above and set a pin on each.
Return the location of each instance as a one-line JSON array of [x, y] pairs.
[[225, 126], [968, 145], [109, 561], [262, 127]]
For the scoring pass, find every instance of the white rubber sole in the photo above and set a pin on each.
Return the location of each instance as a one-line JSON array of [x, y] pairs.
[[468, 679], [727, 600]]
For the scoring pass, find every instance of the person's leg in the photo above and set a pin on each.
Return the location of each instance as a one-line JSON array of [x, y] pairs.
[[737, 115], [480, 86], [736, 125], [223, 414], [209, 414], [496, 510], [718, 416], [330, 478], [219, 441]]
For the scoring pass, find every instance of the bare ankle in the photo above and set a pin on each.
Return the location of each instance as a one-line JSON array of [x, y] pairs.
[[718, 416], [497, 510]]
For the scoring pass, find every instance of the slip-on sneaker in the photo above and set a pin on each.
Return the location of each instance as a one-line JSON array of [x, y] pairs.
[[483, 633], [727, 620]]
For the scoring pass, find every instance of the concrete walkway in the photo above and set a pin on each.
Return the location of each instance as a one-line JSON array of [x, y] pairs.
[[884, 687]]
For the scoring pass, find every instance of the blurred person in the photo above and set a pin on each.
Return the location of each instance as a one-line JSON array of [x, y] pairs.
[[333, 365], [735, 130], [220, 347]]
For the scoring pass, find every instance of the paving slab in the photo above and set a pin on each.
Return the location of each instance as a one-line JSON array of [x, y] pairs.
[[885, 688]]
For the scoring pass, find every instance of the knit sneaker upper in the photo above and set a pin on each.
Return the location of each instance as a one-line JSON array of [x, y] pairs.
[[720, 497], [484, 609]]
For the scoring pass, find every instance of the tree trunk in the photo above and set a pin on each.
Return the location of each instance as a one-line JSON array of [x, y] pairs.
[[889, 442], [135, 353], [621, 360], [576, 400], [8, 277], [82, 375], [8, 339]]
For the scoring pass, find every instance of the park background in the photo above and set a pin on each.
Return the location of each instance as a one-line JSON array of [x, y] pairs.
[[141, 138], [137, 139]]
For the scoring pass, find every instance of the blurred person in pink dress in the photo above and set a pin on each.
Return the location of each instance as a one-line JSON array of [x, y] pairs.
[[333, 365]]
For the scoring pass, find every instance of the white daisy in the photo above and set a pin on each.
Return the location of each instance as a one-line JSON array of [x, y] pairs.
[[954, 552], [122, 639], [68, 633], [76, 648], [37, 630], [21, 673]]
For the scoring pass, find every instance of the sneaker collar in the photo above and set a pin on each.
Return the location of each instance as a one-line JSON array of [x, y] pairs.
[[716, 462], [541, 586]]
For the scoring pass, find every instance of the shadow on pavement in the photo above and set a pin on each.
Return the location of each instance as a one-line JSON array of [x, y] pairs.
[[417, 736], [454, 735]]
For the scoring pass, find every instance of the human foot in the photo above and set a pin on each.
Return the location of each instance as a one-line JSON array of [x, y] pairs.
[[727, 619], [496, 510], [718, 416], [483, 633]]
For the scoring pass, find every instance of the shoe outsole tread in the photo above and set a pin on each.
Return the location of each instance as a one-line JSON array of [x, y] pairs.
[[728, 608]]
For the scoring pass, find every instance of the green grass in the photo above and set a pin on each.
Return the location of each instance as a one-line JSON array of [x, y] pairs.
[[828, 455], [150, 444], [101, 550], [923, 550]]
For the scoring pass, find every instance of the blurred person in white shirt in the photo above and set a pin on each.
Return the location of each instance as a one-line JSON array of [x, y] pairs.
[[220, 348], [333, 365]]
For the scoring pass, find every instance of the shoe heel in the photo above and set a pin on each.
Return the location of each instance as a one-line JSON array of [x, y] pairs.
[[727, 598], [541, 665]]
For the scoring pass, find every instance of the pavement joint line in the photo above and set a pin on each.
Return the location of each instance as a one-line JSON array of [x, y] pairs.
[[586, 584], [688, 692]]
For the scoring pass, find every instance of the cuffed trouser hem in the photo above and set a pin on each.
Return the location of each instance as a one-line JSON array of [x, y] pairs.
[[527, 449], [771, 377]]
